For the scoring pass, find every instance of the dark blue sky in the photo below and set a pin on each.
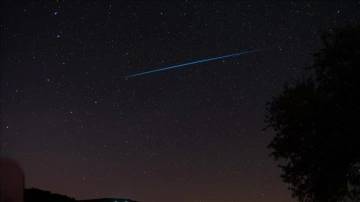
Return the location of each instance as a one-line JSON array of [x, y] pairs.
[[79, 128]]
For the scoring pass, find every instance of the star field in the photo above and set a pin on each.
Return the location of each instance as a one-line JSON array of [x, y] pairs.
[[79, 128]]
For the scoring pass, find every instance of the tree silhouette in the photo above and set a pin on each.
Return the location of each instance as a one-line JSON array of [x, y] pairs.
[[317, 135]]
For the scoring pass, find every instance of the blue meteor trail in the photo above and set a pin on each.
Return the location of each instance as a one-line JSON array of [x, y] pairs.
[[194, 62]]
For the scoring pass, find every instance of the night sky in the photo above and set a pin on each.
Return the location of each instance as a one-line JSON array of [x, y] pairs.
[[79, 128]]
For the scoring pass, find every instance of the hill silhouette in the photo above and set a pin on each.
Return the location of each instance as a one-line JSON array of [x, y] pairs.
[[36, 195], [108, 200]]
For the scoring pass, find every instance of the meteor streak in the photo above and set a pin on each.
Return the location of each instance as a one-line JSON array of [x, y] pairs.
[[194, 62]]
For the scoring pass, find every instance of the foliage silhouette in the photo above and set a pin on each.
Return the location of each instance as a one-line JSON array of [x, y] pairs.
[[317, 138]]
